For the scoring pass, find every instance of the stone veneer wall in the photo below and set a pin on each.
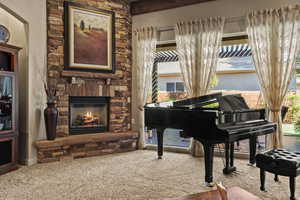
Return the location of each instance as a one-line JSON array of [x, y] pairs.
[[119, 88]]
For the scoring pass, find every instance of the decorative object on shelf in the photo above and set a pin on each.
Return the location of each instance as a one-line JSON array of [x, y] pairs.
[[90, 38], [4, 34], [76, 80], [51, 112]]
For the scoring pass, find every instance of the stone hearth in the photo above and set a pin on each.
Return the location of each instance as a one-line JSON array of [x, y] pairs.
[[80, 146]]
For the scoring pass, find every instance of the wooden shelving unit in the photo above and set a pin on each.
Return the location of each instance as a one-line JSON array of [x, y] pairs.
[[8, 107]]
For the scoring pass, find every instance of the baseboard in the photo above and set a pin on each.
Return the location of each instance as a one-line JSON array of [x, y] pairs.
[[28, 162], [168, 148]]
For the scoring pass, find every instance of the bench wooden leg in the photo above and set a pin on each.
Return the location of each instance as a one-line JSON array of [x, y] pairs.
[[262, 180], [292, 187]]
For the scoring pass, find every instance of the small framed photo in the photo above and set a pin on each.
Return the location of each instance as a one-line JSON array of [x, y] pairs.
[[89, 38]]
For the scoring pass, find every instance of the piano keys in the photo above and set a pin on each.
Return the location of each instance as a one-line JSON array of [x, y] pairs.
[[228, 121]]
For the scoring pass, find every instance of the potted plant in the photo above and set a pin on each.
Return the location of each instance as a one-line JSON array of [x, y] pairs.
[[51, 112]]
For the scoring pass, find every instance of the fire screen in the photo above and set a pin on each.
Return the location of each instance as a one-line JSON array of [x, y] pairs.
[[88, 114]]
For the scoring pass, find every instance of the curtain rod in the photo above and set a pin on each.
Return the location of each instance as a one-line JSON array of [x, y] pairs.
[[227, 20], [227, 37]]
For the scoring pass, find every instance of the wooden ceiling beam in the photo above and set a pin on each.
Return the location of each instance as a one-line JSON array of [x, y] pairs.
[[147, 6]]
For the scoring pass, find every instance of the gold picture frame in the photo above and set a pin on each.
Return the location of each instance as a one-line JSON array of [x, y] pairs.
[[89, 38]]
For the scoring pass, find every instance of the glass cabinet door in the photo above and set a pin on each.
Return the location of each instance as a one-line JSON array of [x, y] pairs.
[[6, 103]]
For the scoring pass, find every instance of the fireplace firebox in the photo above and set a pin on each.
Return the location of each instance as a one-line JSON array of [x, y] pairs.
[[88, 114]]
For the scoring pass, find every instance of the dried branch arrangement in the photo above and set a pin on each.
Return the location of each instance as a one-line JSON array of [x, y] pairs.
[[50, 89]]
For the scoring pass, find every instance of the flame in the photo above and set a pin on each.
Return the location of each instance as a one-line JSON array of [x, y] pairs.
[[89, 114]]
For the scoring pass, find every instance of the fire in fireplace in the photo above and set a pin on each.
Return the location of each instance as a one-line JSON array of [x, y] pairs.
[[88, 114]]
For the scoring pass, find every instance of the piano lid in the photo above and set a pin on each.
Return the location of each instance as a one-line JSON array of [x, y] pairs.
[[166, 104], [232, 102], [188, 103], [198, 101]]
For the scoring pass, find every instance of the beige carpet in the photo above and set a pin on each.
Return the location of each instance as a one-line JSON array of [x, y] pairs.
[[134, 175]]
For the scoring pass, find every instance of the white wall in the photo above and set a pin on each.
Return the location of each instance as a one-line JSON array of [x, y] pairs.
[[33, 13], [243, 82], [168, 67]]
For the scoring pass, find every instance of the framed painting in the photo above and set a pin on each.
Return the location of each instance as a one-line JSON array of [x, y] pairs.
[[89, 38]]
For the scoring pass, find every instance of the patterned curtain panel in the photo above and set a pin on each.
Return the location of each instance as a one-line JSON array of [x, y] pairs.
[[198, 46], [274, 39], [145, 40]]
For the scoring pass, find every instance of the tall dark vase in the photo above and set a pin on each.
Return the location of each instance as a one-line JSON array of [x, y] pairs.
[[51, 115]]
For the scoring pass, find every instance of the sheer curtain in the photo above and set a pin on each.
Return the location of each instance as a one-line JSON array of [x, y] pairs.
[[274, 39], [144, 47], [198, 45]]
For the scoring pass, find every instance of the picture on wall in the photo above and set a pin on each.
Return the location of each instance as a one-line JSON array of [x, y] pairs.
[[89, 38]]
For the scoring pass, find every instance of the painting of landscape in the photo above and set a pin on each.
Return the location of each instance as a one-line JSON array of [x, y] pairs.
[[90, 38]]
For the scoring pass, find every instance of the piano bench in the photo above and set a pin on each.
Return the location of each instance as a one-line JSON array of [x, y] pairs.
[[281, 163]]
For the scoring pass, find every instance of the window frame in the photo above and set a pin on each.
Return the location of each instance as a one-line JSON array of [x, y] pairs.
[[175, 86]]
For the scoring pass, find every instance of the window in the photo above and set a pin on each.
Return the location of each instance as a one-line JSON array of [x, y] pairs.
[[170, 87], [175, 87], [236, 71], [235, 74], [179, 87], [236, 57], [236, 63]]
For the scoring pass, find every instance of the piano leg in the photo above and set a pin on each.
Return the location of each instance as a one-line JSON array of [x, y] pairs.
[[208, 156], [229, 156], [252, 145], [160, 140]]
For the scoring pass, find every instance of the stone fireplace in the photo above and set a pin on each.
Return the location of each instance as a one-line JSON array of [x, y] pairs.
[[88, 114], [90, 128]]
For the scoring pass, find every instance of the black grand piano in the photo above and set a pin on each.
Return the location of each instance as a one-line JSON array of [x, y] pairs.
[[210, 119]]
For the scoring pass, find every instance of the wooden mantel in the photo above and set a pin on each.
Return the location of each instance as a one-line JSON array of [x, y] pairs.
[[93, 75], [147, 6]]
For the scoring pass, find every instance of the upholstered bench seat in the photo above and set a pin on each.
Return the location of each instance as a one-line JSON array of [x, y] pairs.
[[279, 162]]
